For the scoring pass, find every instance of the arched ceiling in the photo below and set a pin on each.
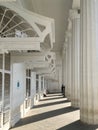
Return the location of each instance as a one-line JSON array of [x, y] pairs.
[[57, 9]]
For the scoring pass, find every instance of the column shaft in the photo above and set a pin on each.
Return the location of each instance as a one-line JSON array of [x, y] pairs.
[[75, 58], [63, 68], [69, 68], [89, 62], [66, 85]]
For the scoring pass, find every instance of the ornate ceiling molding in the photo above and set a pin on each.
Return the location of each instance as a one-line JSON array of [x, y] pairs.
[[43, 26], [14, 44], [36, 60]]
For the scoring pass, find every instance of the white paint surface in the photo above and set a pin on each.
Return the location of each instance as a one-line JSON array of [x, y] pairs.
[[18, 85], [33, 83]]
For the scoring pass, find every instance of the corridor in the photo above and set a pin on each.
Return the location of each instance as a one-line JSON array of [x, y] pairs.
[[52, 113]]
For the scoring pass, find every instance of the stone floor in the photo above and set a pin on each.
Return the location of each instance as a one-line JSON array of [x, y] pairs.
[[53, 113]]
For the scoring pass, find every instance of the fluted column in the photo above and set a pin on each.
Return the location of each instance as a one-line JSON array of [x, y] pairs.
[[75, 16], [69, 66], [63, 66], [89, 62], [66, 68]]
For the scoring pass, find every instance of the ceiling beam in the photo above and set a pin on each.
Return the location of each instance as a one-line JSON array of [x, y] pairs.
[[18, 44]]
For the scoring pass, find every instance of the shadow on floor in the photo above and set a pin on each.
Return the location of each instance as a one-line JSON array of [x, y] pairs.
[[43, 116], [51, 104], [52, 98], [78, 125], [54, 95]]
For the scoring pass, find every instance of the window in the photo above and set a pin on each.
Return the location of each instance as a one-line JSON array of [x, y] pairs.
[[0, 87], [6, 89], [1, 61], [28, 87], [7, 61], [28, 73], [41, 83], [28, 83], [37, 83]]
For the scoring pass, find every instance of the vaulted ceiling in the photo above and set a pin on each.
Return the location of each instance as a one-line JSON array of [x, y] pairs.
[[57, 9]]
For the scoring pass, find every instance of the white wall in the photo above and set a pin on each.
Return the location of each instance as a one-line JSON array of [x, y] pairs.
[[53, 86], [18, 84], [33, 83]]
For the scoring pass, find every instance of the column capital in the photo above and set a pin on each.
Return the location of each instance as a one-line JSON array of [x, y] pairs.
[[74, 14]]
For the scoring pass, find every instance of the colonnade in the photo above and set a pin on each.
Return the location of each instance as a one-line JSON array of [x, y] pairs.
[[81, 55]]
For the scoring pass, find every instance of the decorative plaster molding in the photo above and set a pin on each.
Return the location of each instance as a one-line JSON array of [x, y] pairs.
[[43, 71], [37, 65], [34, 20], [27, 58], [19, 44], [35, 60]]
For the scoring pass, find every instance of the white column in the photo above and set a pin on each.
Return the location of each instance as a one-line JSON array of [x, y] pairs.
[[75, 57], [39, 84], [89, 62], [69, 66], [67, 51], [63, 67], [66, 69], [67, 88], [43, 83]]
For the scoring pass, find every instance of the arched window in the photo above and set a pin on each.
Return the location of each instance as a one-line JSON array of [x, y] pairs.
[[13, 25]]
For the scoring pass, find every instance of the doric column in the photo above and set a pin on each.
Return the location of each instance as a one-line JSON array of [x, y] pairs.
[[43, 83], [89, 62], [75, 16], [63, 66], [66, 69], [69, 87]]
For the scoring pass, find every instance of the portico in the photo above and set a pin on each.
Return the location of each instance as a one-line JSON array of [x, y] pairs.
[[44, 45]]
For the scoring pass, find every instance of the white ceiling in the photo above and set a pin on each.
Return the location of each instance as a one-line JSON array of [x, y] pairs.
[[57, 9]]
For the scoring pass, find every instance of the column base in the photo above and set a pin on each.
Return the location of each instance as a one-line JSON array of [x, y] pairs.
[[69, 97], [75, 103], [89, 117], [89, 121]]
